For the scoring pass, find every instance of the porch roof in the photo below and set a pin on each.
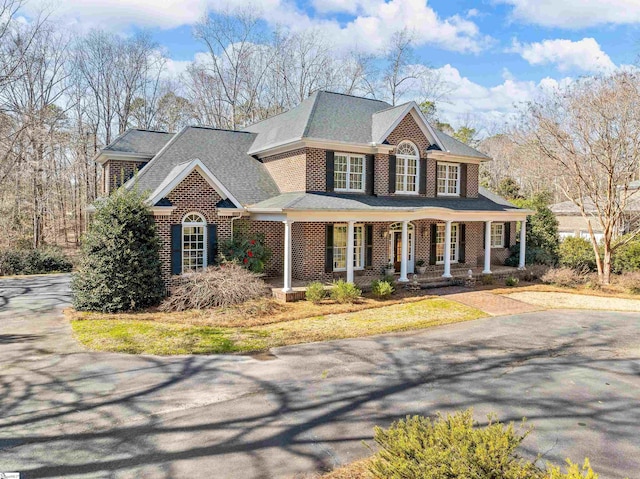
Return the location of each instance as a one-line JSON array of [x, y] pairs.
[[318, 201]]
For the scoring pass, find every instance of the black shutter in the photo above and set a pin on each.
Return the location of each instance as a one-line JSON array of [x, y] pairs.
[[484, 236], [423, 176], [392, 174], [435, 188], [463, 180], [432, 251], [507, 235], [368, 254], [176, 249], [462, 256], [328, 260], [330, 167], [369, 177], [212, 248]]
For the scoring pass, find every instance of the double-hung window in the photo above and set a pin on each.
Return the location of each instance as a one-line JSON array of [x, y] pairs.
[[407, 164], [194, 243], [440, 237], [497, 235], [340, 232], [448, 179], [348, 172]]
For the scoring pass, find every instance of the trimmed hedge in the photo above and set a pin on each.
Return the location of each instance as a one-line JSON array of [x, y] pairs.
[[577, 253], [34, 261]]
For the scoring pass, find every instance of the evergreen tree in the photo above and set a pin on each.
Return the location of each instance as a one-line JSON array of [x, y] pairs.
[[120, 267]]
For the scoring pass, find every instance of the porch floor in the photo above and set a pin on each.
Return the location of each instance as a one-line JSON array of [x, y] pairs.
[[429, 279]]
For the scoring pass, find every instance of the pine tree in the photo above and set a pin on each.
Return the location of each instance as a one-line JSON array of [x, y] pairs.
[[120, 267]]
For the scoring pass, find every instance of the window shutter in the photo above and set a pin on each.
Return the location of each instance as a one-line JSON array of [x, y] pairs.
[[392, 174], [484, 236], [463, 180], [435, 186], [369, 175], [507, 235], [423, 176], [368, 254], [330, 167], [328, 261], [432, 251], [176, 249], [212, 249], [462, 257]]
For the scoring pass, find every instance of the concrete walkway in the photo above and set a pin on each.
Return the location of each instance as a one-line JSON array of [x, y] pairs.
[[66, 412], [493, 304]]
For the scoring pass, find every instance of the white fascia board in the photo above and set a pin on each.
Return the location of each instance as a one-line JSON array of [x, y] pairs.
[[446, 156], [104, 156], [207, 175], [441, 214], [421, 121], [366, 148], [162, 210], [232, 212]]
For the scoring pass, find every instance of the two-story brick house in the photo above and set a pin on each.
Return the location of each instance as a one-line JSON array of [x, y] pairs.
[[339, 186]]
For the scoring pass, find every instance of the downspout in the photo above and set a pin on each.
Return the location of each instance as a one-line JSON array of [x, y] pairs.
[[232, 220]]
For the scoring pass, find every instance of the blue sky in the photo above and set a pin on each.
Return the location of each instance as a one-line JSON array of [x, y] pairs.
[[492, 53]]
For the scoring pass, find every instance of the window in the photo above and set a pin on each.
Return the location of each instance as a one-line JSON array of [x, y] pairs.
[[448, 179], [407, 162], [348, 172], [497, 235], [440, 234], [340, 247], [194, 242]]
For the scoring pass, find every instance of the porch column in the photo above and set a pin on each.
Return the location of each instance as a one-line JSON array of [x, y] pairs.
[[447, 249], [404, 256], [287, 256], [523, 243], [487, 248], [350, 250]]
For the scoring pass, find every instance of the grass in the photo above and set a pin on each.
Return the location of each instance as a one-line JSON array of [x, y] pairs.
[[141, 334], [355, 470], [606, 291]]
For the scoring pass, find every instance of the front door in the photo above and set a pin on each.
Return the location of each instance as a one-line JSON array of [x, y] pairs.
[[396, 251]]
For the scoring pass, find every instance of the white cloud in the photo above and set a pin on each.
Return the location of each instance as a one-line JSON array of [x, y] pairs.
[[371, 26], [575, 14], [585, 55], [488, 106]]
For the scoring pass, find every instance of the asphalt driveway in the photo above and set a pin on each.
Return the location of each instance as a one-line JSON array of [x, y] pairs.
[[66, 412]]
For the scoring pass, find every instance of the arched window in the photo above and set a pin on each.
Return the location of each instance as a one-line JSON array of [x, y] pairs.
[[407, 166], [194, 242]]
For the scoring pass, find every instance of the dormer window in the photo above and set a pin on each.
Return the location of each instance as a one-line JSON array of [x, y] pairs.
[[407, 164], [448, 179], [349, 172]]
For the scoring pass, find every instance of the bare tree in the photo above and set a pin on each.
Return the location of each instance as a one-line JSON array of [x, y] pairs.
[[400, 69], [590, 130]]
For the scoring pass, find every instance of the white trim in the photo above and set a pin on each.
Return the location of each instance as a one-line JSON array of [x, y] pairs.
[[322, 144], [363, 180], [413, 108], [103, 156], [405, 158], [205, 244], [452, 158], [446, 179], [362, 248], [232, 212], [163, 210], [502, 245], [197, 165], [456, 225]]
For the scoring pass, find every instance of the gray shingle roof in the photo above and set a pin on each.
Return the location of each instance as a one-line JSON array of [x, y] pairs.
[[382, 121], [335, 201], [144, 142], [455, 147], [223, 152]]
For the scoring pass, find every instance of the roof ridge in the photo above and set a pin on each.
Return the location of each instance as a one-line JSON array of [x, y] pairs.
[[152, 131], [352, 96], [205, 127], [283, 112], [311, 114], [391, 107]]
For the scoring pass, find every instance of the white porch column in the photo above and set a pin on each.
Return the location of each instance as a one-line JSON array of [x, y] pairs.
[[487, 248], [404, 256], [287, 256], [447, 249], [350, 250], [523, 243]]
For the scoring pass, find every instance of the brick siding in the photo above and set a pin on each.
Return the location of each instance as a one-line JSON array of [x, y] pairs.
[[288, 170], [117, 172]]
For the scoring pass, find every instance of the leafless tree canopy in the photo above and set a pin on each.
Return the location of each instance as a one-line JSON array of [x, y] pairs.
[[64, 96]]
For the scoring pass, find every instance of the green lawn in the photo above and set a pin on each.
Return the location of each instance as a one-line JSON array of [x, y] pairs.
[[156, 337]]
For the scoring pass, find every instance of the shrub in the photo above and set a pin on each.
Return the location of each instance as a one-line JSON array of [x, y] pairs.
[[566, 277], [120, 263], [248, 251], [216, 286], [343, 292], [532, 255], [315, 292], [577, 253], [534, 272], [630, 282], [627, 258], [451, 446], [382, 289], [34, 261], [454, 446], [487, 279], [511, 281]]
